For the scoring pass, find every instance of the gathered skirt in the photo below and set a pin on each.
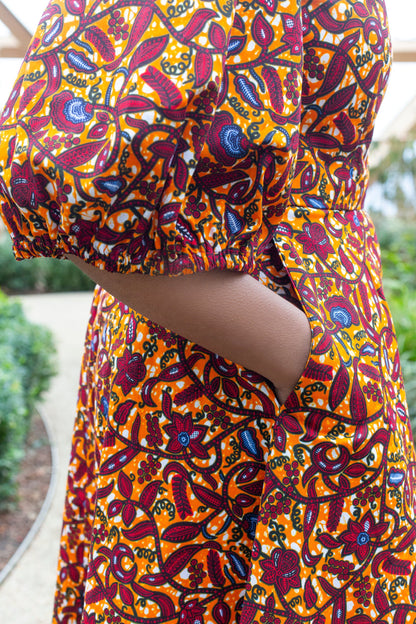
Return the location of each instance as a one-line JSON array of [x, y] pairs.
[[195, 498]]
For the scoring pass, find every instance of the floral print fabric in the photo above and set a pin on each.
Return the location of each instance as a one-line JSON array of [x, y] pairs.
[[170, 138], [149, 137], [194, 497]]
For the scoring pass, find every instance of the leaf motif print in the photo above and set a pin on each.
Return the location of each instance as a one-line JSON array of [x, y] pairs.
[[134, 104], [117, 461], [334, 75], [217, 37], [400, 615], [311, 516], [237, 44], [339, 387], [149, 494], [181, 177], [148, 51], [76, 7], [79, 62], [203, 67], [98, 131], [115, 508], [274, 87], [358, 402], [238, 564], [413, 586], [178, 560], [346, 127], [262, 31], [94, 595], [14, 96], [140, 26], [208, 497], [181, 532], [339, 100], [317, 371], [336, 508], [398, 567], [247, 90], [373, 75], [370, 371], [248, 473], [54, 31], [180, 497], [339, 610], [125, 486], [139, 531], [192, 393], [126, 595], [346, 262], [30, 94], [128, 513], [313, 424], [80, 155], [380, 599], [311, 596], [54, 73], [365, 303], [101, 42], [215, 570], [167, 91], [197, 23]]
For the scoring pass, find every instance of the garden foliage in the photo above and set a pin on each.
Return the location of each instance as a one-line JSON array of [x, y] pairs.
[[398, 244], [26, 366], [39, 274]]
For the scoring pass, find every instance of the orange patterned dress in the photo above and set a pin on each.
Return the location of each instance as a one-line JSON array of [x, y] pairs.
[[172, 137]]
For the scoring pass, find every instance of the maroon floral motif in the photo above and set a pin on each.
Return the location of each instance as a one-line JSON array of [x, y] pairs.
[[192, 613], [185, 435], [282, 570], [284, 423], [226, 139], [70, 113], [315, 239], [28, 189], [293, 32], [359, 538], [130, 371]]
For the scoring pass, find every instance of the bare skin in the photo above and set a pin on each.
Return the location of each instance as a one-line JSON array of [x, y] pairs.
[[229, 313]]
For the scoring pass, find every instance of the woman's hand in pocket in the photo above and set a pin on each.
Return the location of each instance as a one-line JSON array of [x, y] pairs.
[[296, 355]]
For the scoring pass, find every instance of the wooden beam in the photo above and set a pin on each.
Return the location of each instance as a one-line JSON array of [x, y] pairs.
[[16, 46], [404, 51]]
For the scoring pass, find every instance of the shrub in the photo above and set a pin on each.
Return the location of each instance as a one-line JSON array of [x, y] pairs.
[[27, 365], [13, 418], [398, 249], [39, 274]]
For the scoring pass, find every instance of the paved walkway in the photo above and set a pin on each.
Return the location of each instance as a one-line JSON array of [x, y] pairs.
[[26, 596]]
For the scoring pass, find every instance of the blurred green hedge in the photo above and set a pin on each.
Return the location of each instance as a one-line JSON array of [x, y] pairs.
[[39, 274], [398, 249], [27, 365]]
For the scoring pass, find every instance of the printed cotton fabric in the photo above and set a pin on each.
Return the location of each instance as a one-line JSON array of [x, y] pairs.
[[171, 138]]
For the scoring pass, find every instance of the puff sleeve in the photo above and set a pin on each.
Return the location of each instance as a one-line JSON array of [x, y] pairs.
[[153, 136]]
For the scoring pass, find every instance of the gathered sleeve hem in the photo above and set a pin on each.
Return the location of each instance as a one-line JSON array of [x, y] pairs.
[[166, 261]]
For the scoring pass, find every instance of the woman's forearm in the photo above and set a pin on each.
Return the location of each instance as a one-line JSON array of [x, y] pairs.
[[229, 313]]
